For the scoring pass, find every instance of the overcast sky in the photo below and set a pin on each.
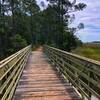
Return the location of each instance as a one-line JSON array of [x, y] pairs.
[[91, 19]]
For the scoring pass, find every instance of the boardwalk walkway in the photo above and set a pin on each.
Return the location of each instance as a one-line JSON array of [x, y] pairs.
[[40, 81]]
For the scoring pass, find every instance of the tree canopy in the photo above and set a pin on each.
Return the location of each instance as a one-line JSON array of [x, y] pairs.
[[22, 22]]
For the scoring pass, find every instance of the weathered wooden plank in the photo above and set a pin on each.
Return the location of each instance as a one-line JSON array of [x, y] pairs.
[[40, 81]]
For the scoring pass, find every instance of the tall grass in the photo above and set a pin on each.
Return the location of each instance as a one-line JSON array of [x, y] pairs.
[[89, 50]]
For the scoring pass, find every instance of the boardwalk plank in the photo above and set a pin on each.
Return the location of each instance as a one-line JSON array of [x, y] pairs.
[[40, 81]]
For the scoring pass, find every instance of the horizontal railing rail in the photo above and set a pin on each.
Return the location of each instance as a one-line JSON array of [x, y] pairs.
[[10, 71], [82, 73], [6, 59]]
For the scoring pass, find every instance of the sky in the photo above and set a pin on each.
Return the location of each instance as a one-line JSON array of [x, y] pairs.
[[90, 16]]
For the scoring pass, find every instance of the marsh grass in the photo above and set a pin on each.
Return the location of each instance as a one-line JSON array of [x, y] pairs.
[[89, 50]]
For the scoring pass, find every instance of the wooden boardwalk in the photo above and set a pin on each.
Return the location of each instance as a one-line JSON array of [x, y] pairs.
[[40, 81]]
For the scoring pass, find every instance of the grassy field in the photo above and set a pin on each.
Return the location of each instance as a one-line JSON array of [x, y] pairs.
[[89, 50]]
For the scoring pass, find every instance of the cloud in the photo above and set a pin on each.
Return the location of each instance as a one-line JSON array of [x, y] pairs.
[[91, 19], [39, 3]]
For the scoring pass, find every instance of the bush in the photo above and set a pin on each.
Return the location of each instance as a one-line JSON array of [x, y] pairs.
[[70, 41], [17, 43]]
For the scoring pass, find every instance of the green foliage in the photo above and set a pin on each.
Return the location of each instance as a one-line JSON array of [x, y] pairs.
[[2, 30], [27, 24], [57, 18], [18, 42], [16, 25], [70, 41]]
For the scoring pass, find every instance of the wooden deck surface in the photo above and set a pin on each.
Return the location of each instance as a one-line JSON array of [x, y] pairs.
[[40, 81]]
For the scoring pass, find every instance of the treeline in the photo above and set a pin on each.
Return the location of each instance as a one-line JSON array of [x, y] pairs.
[[22, 23]]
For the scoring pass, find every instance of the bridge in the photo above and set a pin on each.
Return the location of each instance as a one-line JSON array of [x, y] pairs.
[[49, 74]]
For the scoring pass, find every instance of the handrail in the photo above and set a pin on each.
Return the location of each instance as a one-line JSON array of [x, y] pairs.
[[10, 71], [4, 62], [82, 73]]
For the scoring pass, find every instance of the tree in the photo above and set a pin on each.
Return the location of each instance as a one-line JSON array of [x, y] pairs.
[[3, 28], [32, 9], [22, 23], [17, 43], [16, 21], [64, 12]]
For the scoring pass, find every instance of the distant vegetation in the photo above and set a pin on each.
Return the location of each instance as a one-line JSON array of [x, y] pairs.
[[90, 50], [22, 23]]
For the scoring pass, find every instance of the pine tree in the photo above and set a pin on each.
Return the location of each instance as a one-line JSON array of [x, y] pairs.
[[64, 10]]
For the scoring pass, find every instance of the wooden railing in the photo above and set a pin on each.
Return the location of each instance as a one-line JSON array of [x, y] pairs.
[[10, 71], [82, 73]]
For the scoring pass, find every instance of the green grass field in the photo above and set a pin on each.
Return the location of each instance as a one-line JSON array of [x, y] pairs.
[[89, 50]]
